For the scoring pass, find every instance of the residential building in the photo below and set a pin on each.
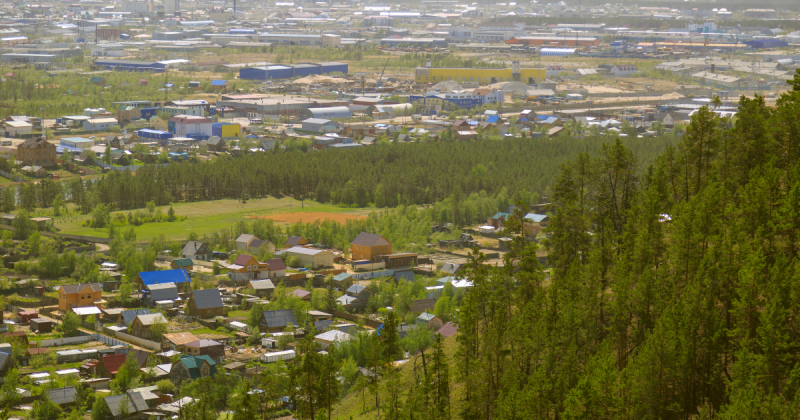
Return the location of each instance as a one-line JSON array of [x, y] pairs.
[[177, 341], [142, 324], [361, 295], [331, 337], [100, 124], [36, 151], [108, 366], [63, 397], [126, 318], [369, 246], [192, 367], [429, 321], [250, 244], [205, 303], [136, 405], [80, 295], [180, 277], [184, 263], [263, 288], [210, 348], [294, 241], [534, 224], [277, 321], [161, 295], [197, 250], [342, 281]]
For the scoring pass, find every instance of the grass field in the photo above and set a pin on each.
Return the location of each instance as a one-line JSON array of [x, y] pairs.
[[212, 216]]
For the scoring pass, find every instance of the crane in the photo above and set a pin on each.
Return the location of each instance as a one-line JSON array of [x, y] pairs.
[[384, 69]]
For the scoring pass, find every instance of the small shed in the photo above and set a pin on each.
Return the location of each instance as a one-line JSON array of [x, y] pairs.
[[279, 355], [41, 325], [27, 316]]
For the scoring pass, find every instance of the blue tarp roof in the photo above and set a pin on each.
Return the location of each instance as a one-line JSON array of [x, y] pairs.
[[177, 276], [493, 118], [219, 82]]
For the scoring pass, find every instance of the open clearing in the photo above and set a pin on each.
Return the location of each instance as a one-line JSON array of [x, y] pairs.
[[206, 217], [311, 216]]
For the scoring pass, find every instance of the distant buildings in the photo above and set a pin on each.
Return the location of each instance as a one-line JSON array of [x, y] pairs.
[[483, 76]]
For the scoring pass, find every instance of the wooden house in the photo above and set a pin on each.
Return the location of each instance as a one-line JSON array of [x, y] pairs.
[[205, 303]]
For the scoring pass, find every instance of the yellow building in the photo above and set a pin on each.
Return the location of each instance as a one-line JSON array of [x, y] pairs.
[[482, 76]]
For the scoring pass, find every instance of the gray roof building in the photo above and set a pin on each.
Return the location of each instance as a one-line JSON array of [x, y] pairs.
[[62, 396], [135, 401], [164, 291], [130, 315], [208, 298], [278, 319]]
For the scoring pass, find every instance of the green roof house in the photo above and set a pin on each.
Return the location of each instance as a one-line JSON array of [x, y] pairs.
[[189, 368]]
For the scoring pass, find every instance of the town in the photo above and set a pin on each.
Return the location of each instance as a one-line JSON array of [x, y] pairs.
[[182, 239]]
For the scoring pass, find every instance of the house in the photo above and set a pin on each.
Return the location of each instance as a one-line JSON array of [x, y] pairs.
[[35, 171], [343, 281], [220, 85], [294, 241], [141, 325], [62, 397], [451, 268], [210, 348], [126, 318], [328, 338], [216, 144], [128, 112], [17, 128], [315, 258], [98, 80], [36, 151], [205, 303], [179, 276], [163, 295], [673, 118], [447, 330], [245, 268], [80, 295], [275, 268], [177, 341], [466, 135], [249, 243], [41, 325], [497, 220], [319, 125], [263, 288], [108, 366], [302, 294], [429, 321], [136, 406], [277, 321], [369, 246], [100, 124], [619, 69], [401, 259], [361, 295], [196, 250], [184, 263], [535, 223], [192, 367]]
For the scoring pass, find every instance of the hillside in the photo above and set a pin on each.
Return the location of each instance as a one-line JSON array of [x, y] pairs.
[[350, 407]]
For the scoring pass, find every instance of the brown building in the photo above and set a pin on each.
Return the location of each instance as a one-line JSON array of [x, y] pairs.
[[177, 341], [141, 325], [37, 152], [80, 295], [370, 246], [205, 303], [295, 241], [210, 348]]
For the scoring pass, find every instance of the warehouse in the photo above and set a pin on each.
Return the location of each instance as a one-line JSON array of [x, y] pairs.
[[254, 106], [26, 58], [327, 113], [482, 76], [555, 41], [148, 133], [766, 43], [192, 126], [556, 52], [77, 142], [306, 69], [276, 71], [131, 65], [225, 130], [291, 39], [333, 67], [100, 124], [415, 42], [316, 258], [319, 125]]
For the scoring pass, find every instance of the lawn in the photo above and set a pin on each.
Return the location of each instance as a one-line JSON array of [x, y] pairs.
[[208, 217], [4, 180]]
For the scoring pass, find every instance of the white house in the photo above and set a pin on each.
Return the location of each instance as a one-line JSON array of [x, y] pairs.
[[189, 125], [99, 124], [623, 70]]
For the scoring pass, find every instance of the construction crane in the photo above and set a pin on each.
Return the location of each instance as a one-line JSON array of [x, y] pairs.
[[384, 69]]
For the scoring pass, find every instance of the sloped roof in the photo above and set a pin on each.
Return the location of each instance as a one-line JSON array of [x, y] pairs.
[[166, 291], [447, 329], [203, 343], [113, 362], [177, 276], [345, 299], [407, 275], [62, 396], [301, 293], [180, 339], [130, 315], [183, 262], [333, 336], [275, 264], [262, 284], [192, 247], [280, 318], [244, 259], [342, 276], [208, 298], [136, 403], [426, 316], [72, 289], [451, 268], [193, 363], [323, 325], [355, 288], [245, 238], [150, 319], [369, 239], [295, 240]]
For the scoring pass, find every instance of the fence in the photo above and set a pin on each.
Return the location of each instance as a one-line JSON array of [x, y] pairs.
[[12, 177], [373, 275], [55, 342], [109, 341], [355, 318], [125, 168], [141, 342]]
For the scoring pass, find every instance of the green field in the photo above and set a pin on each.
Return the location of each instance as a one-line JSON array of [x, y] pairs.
[[207, 217]]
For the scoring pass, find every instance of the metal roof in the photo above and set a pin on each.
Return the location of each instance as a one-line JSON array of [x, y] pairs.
[[369, 239], [131, 314], [206, 299], [262, 284], [280, 318], [356, 289], [135, 401], [304, 251], [177, 276], [151, 319], [61, 396], [166, 291]]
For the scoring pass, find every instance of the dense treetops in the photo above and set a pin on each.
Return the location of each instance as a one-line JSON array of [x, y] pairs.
[[646, 317]]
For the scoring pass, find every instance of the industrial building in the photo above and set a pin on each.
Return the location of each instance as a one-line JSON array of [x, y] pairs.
[[555, 41], [282, 71], [415, 42], [340, 112], [131, 65], [463, 99], [26, 58], [482, 76], [255, 106]]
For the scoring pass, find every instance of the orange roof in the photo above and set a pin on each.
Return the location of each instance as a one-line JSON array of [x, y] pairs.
[[113, 362]]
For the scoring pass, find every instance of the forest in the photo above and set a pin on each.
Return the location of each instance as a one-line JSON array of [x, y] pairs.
[[386, 175], [674, 289]]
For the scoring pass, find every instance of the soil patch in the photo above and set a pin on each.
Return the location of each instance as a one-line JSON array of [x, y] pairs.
[[310, 216]]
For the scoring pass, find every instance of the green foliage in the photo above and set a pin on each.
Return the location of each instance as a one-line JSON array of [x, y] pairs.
[[69, 324]]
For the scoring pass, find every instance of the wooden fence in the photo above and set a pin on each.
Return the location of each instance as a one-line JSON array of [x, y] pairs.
[[355, 318]]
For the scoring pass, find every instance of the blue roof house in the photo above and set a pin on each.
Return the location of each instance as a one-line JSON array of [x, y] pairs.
[[178, 276]]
